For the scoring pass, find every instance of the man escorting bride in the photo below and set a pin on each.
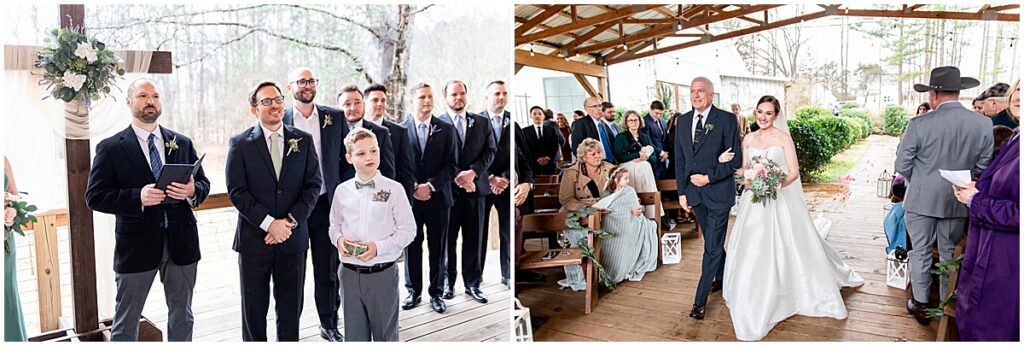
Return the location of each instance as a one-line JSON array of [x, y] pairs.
[[778, 266]]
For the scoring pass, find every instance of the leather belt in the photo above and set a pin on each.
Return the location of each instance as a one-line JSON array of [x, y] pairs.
[[368, 269]]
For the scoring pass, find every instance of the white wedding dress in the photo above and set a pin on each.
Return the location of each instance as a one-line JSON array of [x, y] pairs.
[[778, 265]]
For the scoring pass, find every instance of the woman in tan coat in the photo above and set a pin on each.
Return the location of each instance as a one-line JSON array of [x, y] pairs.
[[581, 186]]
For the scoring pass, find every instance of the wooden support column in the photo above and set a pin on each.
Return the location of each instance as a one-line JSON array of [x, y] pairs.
[[48, 268], [586, 85]]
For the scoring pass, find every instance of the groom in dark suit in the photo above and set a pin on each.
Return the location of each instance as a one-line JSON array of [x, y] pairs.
[[324, 124], [149, 236], [704, 184], [435, 146], [273, 178]]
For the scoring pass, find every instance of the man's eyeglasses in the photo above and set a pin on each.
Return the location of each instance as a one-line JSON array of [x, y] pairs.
[[593, 106], [307, 82], [269, 100]]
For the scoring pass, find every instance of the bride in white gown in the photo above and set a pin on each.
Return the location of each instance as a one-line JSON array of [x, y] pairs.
[[778, 266]]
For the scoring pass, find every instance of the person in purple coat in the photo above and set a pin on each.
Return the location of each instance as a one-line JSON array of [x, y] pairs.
[[988, 297]]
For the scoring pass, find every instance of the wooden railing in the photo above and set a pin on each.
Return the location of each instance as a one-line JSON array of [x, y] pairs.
[[47, 262]]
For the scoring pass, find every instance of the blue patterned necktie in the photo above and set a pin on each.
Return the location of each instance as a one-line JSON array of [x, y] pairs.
[[155, 163], [423, 136], [458, 128], [605, 142], [496, 125]]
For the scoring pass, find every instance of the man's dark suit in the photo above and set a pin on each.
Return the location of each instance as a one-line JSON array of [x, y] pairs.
[[713, 201], [325, 255], [656, 129], [115, 187], [387, 152], [501, 167], [525, 175], [476, 153], [545, 145], [585, 128], [255, 191], [403, 152], [437, 165]]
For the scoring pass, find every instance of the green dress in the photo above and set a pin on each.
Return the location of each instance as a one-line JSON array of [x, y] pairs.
[[14, 324]]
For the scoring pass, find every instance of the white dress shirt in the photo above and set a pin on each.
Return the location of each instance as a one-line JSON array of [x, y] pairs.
[[381, 214], [280, 145], [143, 136], [693, 125], [311, 125]]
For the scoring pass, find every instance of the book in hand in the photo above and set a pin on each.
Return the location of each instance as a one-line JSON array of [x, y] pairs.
[[355, 250], [176, 173]]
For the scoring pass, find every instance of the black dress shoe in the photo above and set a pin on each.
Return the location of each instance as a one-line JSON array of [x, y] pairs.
[[449, 293], [332, 335], [919, 311], [504, 281], [697, 312], [410, 302], [477, 294], [529, 276], [437, 304], [716, 286]]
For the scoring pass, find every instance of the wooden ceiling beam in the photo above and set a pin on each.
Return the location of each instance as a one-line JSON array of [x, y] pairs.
[[589, 35], [1003, 17], [602, 18], [558, 64], [551, 11], [1003, 7]]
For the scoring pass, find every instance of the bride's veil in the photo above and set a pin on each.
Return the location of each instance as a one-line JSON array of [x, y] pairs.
[[796, 188]]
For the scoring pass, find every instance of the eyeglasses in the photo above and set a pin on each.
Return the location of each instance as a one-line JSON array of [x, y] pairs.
[[269, 100], [304, 82], [633, 120], [593, 106]]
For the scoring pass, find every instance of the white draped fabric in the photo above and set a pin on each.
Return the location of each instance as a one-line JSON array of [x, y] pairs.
[[34, 133]]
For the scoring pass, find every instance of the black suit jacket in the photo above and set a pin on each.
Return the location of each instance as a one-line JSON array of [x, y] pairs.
[[332, 149], [523, 170], [476, 153], [257, 193], [437, 164], [582, 129], [655, 129], [119, 171], [404, 159], [723, 134], [387, 152], [546, 145]]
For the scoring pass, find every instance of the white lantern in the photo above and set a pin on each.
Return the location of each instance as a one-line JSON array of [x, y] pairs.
[[896, 274], [524, 328], [671, 248]]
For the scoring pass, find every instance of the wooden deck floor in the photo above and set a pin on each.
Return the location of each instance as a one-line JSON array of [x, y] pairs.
[[656, 308], [217, 301]]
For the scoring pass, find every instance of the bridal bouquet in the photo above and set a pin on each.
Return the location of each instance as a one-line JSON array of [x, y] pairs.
[[16, 215], [763, 178]]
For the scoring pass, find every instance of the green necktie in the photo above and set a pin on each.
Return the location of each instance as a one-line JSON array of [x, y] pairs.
[[275, 154]]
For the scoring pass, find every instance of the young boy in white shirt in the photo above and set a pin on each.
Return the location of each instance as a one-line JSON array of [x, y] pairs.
[[371, 223]]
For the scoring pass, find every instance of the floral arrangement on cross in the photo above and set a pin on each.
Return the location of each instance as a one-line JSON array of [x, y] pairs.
[[77, 67]]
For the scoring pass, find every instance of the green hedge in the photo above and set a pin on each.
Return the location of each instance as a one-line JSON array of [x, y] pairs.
[[858, 113], [812, 146], [807, 112], [819, 137], [895, 120]]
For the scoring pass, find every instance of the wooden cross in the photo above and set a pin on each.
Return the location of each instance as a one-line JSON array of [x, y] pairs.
[[83, 258]]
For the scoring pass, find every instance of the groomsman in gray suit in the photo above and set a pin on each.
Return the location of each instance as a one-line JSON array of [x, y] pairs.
[[950, 137]]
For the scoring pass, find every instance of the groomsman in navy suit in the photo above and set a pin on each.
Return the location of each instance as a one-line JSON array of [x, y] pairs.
[[435, 146], [470, 189], [499, 118], [273, 178], [656, 128], [376, 96], [149, 236], [323, 124], [350, 99]]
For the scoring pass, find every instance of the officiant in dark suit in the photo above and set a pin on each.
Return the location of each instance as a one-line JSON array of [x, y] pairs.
[[435, 146], [324, 124], [469, 189], [273, 178], [150, 236]]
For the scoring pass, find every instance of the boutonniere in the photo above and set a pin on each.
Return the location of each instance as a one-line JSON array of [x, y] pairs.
[[293, 146], [469, 122], [434, 130], [328, 121], [382, 196], [708, 127], [172, 145]]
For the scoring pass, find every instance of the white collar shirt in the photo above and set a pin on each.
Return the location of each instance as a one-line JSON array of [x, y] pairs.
[[312, 126], [381, 214]]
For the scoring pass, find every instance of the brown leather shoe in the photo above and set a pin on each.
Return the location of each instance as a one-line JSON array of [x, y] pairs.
[[919, 311]]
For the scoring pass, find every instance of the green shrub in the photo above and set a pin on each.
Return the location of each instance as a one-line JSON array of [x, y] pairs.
[[858, 113], [847, 105], [807, 112], [812, 146], [841, 133], [895, 120]]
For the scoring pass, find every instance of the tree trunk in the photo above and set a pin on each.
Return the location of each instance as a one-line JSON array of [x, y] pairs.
[[396, 78]]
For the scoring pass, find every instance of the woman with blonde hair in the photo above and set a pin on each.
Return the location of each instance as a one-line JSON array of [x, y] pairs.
[[580, 187]]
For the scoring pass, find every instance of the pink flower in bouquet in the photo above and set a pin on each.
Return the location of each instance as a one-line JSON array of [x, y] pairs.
[[749, 174], [759, 167], [9, 214]]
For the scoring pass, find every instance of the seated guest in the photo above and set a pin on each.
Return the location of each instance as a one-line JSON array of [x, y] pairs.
[[988, 296], [635, 151], [978, 105], [633, 250], [1000, 134], [581, 187], [577, 114], [893, 224], [995, 105], [371, 223]]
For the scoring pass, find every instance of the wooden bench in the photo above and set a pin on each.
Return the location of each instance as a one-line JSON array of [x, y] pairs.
[[546, 204], [545, 223], [668, 189], [654, 198], [545, 179], [546, 189]]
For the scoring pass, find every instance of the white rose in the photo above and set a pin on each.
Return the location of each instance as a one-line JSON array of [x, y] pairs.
[[73, 80], [85, 51], [9, 214]]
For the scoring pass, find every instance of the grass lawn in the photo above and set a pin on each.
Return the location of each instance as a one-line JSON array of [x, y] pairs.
[[841, 164]]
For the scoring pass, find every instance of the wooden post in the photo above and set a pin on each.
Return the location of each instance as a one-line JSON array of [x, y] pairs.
[[47, 271], [83, 257]]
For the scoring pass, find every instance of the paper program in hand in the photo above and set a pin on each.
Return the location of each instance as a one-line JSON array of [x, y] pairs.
[[958, 178]]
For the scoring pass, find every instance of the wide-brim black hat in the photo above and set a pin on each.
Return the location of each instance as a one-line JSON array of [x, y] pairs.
[[947, 78]]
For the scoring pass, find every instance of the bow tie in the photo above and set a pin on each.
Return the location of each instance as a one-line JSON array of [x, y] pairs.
[[368, 184]]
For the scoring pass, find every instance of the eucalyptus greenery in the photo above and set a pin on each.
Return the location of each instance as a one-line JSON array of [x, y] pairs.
[[944, 269], [573, 221], [77, 67]]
